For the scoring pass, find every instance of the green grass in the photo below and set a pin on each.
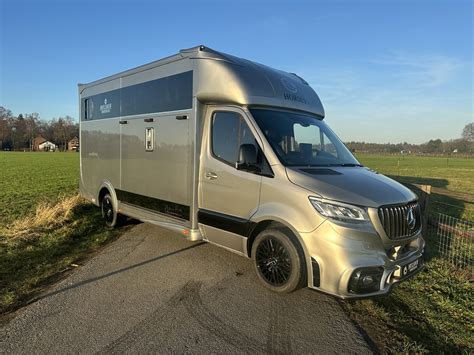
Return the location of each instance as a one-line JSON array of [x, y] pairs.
[[29, 263], [27, 178], [453, 174], [452, 179], [431, 312]]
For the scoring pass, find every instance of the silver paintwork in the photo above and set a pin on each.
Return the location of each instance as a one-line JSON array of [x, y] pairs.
[[181, 169], [367, 188]]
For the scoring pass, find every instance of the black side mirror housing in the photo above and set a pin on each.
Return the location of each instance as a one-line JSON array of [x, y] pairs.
[[247, 158]]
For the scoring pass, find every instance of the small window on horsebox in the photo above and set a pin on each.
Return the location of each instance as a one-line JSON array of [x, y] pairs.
[[88, 109], [86, 104]]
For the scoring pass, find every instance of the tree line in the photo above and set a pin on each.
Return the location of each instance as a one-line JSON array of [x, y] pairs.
[[19, 132], [434, 146], [463, 145]]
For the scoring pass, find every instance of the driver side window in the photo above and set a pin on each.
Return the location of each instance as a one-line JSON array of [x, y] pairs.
[[229, 131]]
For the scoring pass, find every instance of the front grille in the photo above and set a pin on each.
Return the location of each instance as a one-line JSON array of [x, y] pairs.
[[395, 223]]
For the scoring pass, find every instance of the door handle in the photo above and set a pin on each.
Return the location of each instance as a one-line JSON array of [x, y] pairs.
[[211, 176]]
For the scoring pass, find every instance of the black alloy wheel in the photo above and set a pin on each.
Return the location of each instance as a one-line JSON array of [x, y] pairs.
[[109, 213], [278, 260], [273, 261]]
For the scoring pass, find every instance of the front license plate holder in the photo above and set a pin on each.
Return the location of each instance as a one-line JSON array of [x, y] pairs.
[[405, 270]]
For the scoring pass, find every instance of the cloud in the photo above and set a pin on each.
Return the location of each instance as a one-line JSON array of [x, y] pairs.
[[396, 97], [422, 70]]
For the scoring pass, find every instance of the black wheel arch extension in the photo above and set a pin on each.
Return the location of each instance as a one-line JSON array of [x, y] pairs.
[[257, 228]]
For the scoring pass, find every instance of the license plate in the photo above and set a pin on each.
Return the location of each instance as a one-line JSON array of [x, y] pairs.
[[405, 270], [413, 266]]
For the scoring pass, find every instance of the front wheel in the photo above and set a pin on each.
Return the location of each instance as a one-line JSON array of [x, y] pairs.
[[109, 212], [278, 263]]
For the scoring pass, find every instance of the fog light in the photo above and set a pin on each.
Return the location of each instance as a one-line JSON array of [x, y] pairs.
[[365, 280]]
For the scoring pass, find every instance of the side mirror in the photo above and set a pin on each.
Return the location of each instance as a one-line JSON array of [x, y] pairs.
[[247, 158]]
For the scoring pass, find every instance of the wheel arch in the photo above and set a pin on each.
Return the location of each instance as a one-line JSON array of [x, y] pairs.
[[106, 187], [266, 223]]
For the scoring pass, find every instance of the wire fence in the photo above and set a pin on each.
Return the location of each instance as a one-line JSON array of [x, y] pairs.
[[455, 238]]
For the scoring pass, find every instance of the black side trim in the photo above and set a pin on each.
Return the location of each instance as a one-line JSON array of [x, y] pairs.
[[170, 208], [316, 273], [237, 225]]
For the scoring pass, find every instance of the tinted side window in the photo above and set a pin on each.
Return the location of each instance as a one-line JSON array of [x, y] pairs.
[[229, 132], [170, 93], [225, 136]]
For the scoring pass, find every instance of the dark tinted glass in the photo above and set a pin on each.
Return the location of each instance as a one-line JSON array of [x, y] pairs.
[[302, 140], [105, 105], [225, 136], [229, 132], [171, 93], [166, 94], [246, 135]]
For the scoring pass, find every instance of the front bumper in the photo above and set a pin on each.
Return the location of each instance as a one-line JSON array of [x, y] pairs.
[[337, 251]]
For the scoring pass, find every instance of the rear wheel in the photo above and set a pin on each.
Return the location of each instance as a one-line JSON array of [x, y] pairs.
[[109, 212], [278, 263]]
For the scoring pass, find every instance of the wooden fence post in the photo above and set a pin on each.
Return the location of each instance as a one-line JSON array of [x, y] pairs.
[[423, 200]]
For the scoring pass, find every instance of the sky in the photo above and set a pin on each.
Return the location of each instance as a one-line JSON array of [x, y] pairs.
[[386, 71]]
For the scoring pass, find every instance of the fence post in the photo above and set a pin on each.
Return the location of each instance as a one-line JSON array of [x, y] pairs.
[[423, 201]]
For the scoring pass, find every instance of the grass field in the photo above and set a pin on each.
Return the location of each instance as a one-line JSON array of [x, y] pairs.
[[27, 178], [431, 312], [452, 179], [453, 174], [38, 245]]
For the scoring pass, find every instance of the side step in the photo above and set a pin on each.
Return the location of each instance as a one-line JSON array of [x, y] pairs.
[[193, 235]]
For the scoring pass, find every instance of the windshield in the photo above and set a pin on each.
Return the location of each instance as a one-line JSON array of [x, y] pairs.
[[302, 140]]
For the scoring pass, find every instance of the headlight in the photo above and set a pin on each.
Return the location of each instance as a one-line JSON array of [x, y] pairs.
[[339, 211]]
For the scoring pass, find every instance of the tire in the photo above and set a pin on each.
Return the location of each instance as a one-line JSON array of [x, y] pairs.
[[109, 212], [278, 261]]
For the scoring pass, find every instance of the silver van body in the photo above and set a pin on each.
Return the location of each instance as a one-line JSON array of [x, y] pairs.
[[147, 141]]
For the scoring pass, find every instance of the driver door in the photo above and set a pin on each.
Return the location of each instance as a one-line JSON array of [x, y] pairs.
[[227, 197]]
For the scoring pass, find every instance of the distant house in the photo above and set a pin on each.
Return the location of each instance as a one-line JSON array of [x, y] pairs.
[[37, 141], [73, 144], [47, 146]]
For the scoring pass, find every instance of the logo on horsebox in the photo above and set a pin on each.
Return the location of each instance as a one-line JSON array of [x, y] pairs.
[[288, 85], [106, 107]]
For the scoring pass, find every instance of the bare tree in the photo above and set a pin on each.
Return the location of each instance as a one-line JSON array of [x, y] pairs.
[[468, 132], [5, 131], [63, 129], [32, 122]]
